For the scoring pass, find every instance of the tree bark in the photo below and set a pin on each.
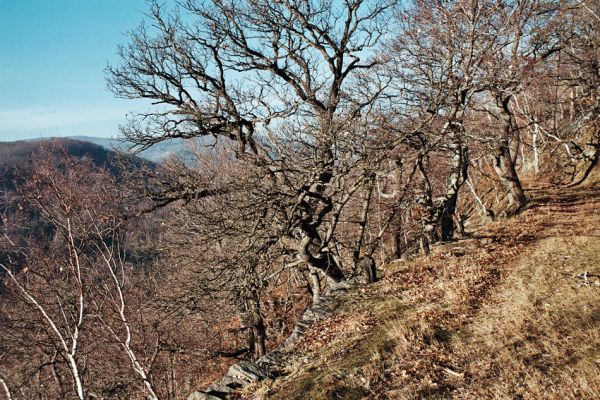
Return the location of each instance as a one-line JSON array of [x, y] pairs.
[[447, 222], [424, 246], [315, 284], [507, 173], [322, 261], [258, 326], [6, 389], [504, 163], [428, 217], [369, 269], [397, 248], [460, 166], [362, 226]]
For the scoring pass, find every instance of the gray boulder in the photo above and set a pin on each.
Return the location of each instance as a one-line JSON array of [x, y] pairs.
[[234, 383], [202, 396], [272, 359], [248, 371], [273, 362], [221, 391]]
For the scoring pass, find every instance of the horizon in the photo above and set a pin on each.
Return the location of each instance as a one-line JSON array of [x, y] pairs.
[[52, 81], [50, 136]]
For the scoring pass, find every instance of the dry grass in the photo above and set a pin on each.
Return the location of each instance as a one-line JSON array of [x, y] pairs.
[[501, 315]]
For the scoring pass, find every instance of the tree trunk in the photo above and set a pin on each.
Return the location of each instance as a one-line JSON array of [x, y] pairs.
[[447, 220], [258, 327], [428, 216], [322, 261], [311, 249], [6, 389], [315, 284], [369, 269], [362, 226], [504, 163], [250, 339], [424, 246], [397, 248], [505, 168], [458, 174], [460, 225]]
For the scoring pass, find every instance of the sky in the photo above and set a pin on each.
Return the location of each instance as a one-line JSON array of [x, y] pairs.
[[52, 59]]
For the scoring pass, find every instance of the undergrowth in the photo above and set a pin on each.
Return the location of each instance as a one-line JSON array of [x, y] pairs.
[[503, 314]]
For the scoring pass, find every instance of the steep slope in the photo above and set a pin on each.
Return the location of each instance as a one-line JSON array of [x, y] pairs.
[[18, 159], [512, 312]]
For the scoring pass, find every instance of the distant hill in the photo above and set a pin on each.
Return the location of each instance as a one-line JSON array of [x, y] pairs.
[[156, 153], [15, 153], [16, 156]]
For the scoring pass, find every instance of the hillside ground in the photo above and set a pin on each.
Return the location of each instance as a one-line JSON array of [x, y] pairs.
[[511, 312]]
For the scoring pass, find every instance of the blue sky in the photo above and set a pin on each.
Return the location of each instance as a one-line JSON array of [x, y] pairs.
[[52, 59]]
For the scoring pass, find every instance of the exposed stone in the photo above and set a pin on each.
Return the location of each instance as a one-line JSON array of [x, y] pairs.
[[340, 286], [272, 364], [293, 338], [317, 312], [218, 390], [274, 358], [202, 396], [328, 301], [232, 382], [248, 371]]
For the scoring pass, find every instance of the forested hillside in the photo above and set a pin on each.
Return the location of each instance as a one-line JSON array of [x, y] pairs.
[[19, 155], [169, 148], [448, 147], [511, 312], [16, 158]]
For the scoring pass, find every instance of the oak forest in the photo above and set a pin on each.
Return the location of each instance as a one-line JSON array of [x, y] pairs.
[[347, 199]]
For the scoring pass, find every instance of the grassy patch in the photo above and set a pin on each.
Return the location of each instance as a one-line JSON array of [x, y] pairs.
[[499, 316]]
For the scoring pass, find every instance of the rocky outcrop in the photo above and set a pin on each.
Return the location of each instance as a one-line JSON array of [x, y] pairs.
[[202, 396], [317, 312], [248, 371], [241, 375], [272, 364]]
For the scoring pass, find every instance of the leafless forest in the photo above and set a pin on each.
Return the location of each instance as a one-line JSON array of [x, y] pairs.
[[336, 136]]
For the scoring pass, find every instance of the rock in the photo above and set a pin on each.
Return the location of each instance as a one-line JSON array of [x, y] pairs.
[[301, 326], [339, 286], [328, 303], [248, 371], [274, 358], [219, 390], [369, 269], [202, 396], [293, 338], [273, 363], [314, 314], [234, 383]]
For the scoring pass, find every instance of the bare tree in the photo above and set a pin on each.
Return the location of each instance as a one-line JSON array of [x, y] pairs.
[[65, 284], [281, 80], [521, 41], [434, 61]]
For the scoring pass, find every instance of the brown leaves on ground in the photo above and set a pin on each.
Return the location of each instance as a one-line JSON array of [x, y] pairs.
[[500, 315]]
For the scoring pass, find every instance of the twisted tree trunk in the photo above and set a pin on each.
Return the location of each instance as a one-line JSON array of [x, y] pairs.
[[504, 163]]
